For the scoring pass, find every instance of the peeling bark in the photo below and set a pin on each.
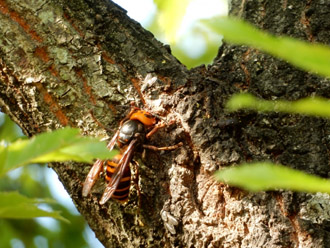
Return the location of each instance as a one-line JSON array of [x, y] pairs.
[[60, 61]]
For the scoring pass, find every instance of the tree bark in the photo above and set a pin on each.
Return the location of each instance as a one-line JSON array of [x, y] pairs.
[[80, 63]]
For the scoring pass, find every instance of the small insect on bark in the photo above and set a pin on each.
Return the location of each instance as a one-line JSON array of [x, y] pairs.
[[170, 221], [137, 127]]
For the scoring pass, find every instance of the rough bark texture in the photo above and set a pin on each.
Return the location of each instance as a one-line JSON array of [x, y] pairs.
[[60, 60]]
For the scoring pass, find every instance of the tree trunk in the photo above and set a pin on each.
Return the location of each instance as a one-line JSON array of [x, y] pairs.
[[81, 63]]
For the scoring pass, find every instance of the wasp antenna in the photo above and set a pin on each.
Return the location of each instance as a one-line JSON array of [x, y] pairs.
[[96, 120]]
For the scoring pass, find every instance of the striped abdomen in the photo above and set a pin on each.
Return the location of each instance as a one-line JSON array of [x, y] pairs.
[[122, 191]]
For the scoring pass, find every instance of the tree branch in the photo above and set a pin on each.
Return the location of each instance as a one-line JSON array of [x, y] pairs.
[[60, 61]]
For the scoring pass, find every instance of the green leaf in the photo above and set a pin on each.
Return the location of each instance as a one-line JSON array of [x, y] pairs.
[[85, 150], [3, 154], [267, 176], [60, 145], [171, 13], [310, 57], [9, 131], [16, 206], [314, 106]]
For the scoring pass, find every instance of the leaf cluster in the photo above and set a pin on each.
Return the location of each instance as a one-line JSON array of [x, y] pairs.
[[310, 57], [24, 193]]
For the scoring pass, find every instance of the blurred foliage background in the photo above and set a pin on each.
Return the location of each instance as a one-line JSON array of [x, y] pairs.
[[178, 23], [38, 181]]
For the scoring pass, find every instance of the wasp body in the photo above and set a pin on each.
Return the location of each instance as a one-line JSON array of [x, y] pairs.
[[122, 191], [134, 129]]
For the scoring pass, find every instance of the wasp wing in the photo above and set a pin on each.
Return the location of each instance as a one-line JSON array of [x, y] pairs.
[[96, 169], [118, 173], [112, 142], [92, 177]]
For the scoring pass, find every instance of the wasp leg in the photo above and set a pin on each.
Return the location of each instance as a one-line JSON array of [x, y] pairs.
[[155, 129], [136, 183], [159, 126], [164, 148]]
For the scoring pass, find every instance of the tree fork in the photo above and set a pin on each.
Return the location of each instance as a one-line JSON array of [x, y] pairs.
[[60, 60]]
